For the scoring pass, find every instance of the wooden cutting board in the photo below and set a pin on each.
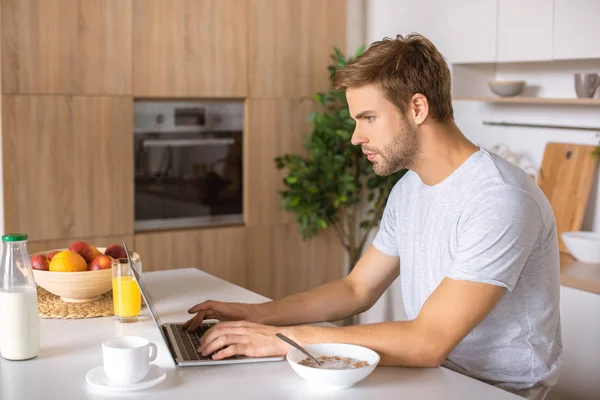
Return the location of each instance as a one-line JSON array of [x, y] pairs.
[[566, 179]]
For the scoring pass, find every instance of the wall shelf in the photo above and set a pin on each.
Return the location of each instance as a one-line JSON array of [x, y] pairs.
[[530, 100]]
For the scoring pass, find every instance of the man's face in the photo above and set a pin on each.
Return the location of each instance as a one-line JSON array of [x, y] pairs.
[[390, 141]]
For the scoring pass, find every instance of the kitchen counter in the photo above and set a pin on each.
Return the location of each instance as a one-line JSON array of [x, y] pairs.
[[578, 275], [70, 348]]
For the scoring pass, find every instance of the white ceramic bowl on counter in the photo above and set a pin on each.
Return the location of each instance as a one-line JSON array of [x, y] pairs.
[[329, 378], [583, 246]]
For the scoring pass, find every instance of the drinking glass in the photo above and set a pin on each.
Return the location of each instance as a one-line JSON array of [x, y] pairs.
[[127, 298]]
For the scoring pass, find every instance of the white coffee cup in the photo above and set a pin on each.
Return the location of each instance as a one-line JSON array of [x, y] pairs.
[[127, 358]]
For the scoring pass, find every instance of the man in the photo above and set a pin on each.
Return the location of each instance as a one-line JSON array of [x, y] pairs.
[[472, 237]]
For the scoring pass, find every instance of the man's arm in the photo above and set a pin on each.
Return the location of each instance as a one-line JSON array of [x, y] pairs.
[[356, 293], [447, 316]]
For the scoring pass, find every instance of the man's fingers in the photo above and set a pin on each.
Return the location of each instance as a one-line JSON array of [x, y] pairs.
[[229, 352], [216, 332], [222, 342], [204, 306], [195, 322]]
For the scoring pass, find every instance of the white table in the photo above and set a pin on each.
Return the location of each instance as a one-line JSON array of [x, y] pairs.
[[70, 348]]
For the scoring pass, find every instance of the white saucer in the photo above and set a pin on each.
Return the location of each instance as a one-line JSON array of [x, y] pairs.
[[97, 378]]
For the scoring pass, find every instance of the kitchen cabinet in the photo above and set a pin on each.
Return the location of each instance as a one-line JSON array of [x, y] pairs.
[[576, 29], [274, 127], [280, 263], [66, 46], [471, 31], [218, 251], [525, 30], [427, 17], [45, 245], [67, 166], [190, 48], [290, 43]]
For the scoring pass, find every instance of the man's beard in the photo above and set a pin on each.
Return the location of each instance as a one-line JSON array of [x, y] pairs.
[[400, 154]]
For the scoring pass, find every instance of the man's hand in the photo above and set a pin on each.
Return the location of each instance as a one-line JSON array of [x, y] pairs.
[[221, 311], [242, 338]]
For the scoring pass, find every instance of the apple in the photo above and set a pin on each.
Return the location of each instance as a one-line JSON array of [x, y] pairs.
[[52, 254], [115, 251], [100, 262], [40, 262], [83, 249]]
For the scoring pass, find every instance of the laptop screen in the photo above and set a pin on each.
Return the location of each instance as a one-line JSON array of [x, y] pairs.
[[146, 296]]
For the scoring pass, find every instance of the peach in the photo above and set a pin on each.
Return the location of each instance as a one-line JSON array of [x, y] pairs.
[[40, 262], [95, 252], [83, 249], [100, 262], [115, 251]]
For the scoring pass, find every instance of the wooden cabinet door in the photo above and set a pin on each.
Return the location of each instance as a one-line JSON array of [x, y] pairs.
[[66, 46], [218, 251], [190, 48], [576, 29], [45, 245], [274, 127], [290, 43], [280, 263], [525, 30], [67, 166]]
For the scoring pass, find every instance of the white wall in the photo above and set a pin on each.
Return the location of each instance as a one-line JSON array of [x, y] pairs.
[[580, 374]]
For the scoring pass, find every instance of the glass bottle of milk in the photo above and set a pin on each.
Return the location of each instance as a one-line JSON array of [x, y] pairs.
[[19, 318]]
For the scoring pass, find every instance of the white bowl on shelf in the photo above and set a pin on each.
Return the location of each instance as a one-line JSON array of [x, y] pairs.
[[329, 379], [583, 246], [506, 88]]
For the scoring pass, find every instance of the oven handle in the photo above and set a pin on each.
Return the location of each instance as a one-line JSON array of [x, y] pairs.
[[186, 142]]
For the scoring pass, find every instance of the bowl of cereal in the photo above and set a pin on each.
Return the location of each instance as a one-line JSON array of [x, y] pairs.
[[342, 365]]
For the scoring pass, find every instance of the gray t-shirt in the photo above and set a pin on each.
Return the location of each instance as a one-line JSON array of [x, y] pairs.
[[487, 222]]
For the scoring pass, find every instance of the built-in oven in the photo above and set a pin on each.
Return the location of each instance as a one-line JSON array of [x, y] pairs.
[[188, 163]]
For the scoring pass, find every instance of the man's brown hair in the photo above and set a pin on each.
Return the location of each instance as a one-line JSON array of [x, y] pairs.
[[402, 67]]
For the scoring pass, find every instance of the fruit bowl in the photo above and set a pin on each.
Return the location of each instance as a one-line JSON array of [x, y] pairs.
[[76, 287]]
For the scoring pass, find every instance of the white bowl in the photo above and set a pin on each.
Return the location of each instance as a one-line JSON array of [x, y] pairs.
[[506, 88], [584, 246], [334, 379]]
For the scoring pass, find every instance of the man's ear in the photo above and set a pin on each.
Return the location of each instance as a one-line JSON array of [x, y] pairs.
[[419, 108]]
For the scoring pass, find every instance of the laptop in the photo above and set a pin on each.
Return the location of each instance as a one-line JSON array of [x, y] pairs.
[[182, 344]]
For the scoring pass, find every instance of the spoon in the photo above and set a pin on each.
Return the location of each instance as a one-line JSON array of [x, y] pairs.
[[296, 345]]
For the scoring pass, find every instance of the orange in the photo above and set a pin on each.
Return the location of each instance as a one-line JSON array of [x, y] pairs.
[[68, 261]]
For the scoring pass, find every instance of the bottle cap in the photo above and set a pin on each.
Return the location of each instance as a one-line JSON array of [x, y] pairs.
[[14, 237]]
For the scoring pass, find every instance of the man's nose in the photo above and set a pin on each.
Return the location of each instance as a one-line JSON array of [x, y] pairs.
[[358, 138]]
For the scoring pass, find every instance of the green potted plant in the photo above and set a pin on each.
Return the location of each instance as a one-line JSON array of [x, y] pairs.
[[328, 187]]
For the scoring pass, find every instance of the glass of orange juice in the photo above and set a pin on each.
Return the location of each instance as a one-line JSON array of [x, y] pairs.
[[127, 298]]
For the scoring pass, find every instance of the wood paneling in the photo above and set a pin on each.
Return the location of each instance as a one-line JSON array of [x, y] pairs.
[[290, 43], [45, 245], [217, 251], [66, 46], [274, 127], [194, 48], [67, 166], [280, 263]]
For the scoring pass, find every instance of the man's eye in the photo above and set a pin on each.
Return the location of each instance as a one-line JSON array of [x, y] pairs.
[[370, 118]]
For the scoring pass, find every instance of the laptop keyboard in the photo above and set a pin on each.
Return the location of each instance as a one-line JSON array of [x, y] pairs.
[[190, 341]]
